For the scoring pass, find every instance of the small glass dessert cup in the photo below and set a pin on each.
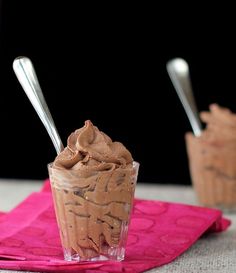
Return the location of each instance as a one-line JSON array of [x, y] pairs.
[[213, 172], [93, 213]]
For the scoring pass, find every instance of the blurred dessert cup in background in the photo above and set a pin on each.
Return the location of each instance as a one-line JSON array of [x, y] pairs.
[[212, 159]]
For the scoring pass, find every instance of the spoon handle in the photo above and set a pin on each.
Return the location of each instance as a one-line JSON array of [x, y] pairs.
[[27, 77], [178, 71]]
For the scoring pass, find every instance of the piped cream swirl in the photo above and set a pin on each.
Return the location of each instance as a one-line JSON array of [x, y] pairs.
[[90, 148]]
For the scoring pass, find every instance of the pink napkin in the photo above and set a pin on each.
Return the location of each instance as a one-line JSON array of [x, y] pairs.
[[159, 232]]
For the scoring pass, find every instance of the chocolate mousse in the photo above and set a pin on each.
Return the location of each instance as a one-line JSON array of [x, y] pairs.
[[93, 182], [212, 159]]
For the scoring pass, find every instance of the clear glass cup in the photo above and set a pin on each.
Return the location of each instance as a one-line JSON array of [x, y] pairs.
[[93, 212], [213, 173]]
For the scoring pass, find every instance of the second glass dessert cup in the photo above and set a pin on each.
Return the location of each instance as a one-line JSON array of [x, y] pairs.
[[93, 213], [212, 171]]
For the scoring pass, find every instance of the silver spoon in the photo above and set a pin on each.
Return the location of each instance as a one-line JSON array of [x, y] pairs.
[[178, 71], [27, 77]]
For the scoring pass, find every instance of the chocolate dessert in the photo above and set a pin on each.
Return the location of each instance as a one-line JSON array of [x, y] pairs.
[[212, 159], [93, 182]]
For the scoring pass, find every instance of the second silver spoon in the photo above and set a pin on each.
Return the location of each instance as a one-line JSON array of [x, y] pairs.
[[178, 71]]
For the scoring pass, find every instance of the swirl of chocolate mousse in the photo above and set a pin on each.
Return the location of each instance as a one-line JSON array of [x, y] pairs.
[[89, 148], [212, 158], [93, 186]]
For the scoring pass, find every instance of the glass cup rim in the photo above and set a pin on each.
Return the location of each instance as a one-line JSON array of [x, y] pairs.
[[135, 164]]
